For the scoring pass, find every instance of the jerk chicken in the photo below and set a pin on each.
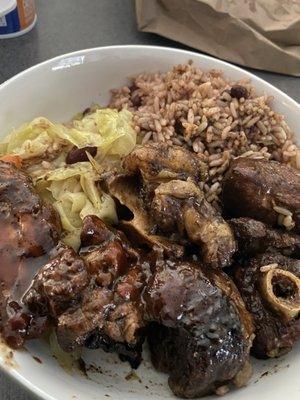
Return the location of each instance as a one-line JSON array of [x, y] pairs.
[[29, 231], [109, 314]]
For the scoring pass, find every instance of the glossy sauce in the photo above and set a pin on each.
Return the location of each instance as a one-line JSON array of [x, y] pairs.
[[28, 232]]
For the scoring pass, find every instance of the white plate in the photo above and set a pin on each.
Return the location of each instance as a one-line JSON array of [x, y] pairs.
[[58, 89]]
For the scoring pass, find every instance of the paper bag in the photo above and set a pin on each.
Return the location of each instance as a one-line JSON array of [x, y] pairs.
[[262, 34]]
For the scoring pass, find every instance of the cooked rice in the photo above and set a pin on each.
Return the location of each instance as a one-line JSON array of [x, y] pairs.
[[187, 106]]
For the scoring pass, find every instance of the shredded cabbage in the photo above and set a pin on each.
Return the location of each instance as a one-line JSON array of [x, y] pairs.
[[107, 129], [73, 189], [75, 197]]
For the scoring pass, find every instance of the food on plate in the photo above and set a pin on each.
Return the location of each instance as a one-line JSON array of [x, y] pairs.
[[134, 223], [180, 206], [270, 286], [174, 207], [201, 111], [266, 191], [201, 332], [139, 224], [162, 162], [29, 230], [255, 237]]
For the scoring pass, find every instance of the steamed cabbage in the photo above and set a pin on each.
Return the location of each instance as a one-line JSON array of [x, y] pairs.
[[107, 129], [73, 189]]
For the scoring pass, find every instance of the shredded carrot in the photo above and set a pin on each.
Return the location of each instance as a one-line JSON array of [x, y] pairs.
[[12, 159]]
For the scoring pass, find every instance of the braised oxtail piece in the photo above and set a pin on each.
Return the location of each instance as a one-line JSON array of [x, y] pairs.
[[200, 332], [29, 231], [141, 228], [263, 190], [270, 287], [180, 206]]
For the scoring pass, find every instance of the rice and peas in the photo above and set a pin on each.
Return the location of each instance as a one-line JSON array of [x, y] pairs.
[[217, 119]]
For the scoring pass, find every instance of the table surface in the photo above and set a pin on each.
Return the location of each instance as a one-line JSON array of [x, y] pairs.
[[69, 25]]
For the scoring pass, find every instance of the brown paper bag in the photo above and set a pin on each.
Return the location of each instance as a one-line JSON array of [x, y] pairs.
[[262, 34]]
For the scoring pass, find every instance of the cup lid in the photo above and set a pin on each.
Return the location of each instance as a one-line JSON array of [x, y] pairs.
[[7, 6]]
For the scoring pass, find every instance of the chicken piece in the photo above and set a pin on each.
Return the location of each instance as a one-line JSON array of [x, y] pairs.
[[181, 206], [58, 284], [103, 251], [200, 331], [29, 230], [263, 190], [141, 228], [109, 312], [160, 162], [270, 287], [256, 237]]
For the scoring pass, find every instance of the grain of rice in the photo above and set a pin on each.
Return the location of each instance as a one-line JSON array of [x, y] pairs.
[[157, 126], [282, 210], [262, 128], [147, 137], [233, 110], [214, 187], [216, 163], [252, 122], [214, 123], [288, 222], [226, 96], [280, 219]]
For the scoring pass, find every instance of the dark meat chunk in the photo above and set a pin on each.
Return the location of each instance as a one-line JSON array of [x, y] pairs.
[[29, 230], [106, 263], [77, 323], [94, 232], [270, 287], [168, 203], [109, 313], [256, 188], [180, 206], [256, 237], [106, 251], [200, 332], [58, 284], [160, 162]]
